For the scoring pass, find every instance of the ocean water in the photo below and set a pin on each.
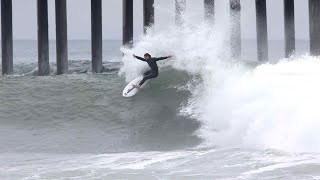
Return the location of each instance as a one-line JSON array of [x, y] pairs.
[[207, 116]]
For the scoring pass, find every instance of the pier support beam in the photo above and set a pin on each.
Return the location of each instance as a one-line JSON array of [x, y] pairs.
[[148, 14], [180, 10], [96, 35], [61, 36], [262, 30], [6, 37], [209, 11], [43, 38], [235, 10], [289, 28], [314, 23], [127, 37]]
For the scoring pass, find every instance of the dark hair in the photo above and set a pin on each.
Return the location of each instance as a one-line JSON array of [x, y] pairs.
[[147, 54]]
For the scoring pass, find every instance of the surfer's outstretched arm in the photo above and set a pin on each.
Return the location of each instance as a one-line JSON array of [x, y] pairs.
[[138, 57], [162, 58]]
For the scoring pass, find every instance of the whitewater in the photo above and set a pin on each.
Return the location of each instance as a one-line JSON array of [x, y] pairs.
[[207, 115], [269, 106]]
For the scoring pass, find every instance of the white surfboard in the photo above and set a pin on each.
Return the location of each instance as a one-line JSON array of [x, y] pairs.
[[129, 90]]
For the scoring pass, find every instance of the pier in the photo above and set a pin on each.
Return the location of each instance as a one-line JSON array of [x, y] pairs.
[[149, 21]]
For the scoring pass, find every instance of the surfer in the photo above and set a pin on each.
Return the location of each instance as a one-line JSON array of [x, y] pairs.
[[152, 62]]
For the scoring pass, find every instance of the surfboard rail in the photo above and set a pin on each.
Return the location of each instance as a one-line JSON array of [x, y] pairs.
[[129, 90]]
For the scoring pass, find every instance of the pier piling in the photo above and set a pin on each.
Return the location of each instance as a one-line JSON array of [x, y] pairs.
[[289, 27], [180, 10], [43, 38], [6, 37], [61, 36], [262, 30], [96, 35], [127, 36], [148, 21], [314, 23], [148, 14], [209, 10], [235, 10]]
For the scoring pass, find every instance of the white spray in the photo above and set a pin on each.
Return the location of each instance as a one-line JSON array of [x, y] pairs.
[[271, 106]]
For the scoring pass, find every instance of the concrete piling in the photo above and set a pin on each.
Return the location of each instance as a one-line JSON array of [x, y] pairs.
[[180, 10], [262, 30], [289, 28], [314, 23], [209, 10], [148, 14], [6, 37], [96, 35], [235, 10], [43, 38], [148, 21], [61, 36], [127, 37]]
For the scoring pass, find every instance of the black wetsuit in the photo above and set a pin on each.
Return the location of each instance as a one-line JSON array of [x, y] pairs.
[[153, 73]]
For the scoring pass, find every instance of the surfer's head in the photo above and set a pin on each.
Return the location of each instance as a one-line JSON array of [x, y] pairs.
[[147, 56]]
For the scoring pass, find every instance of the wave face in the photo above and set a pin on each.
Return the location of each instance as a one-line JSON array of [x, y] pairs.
[[86, 113], [267, 106]]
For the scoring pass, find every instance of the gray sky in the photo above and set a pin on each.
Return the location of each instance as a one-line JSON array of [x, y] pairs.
[[25, 21]]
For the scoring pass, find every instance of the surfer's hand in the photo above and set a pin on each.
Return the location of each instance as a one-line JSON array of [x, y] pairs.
[[170, 56], [134, 56]]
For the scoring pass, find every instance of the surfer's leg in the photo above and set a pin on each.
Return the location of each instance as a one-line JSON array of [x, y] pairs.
[[150, 76], [147, 73], [143, 80], [146, 76]]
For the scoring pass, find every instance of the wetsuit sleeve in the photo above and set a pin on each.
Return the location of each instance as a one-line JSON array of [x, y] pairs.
[[161, 58], [140, 58]]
